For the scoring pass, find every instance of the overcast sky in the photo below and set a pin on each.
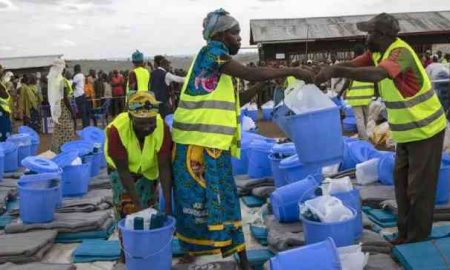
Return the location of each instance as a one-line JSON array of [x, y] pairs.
[[95, 29]]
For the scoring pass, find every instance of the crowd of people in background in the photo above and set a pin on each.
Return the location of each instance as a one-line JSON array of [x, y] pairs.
[[93, 88]]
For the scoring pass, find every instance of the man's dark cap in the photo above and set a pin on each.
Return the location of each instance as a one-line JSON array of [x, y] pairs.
[[384, 23]]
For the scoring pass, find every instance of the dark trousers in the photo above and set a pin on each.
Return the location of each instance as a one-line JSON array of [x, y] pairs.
[[83, 109], [416, 173], [118, 105], [164, 109]]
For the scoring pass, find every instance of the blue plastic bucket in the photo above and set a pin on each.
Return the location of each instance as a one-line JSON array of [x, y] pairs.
[[240, 166], [280, 152], [386, 169], [2, 163], [93, 134], [96, 163], [148, 249], [361, 151], [38, 197], [267, 114], [40, 165], [348, 111], [349, 124], [293, 170], [83, 147], [285, 199], [352, 199], [35, 139], [442, 188], [75, 180], [89, 160], [342, 232], [11, 163], [279, 116], [23, 143], [318, 256], [317, 136], [258, 160], [337, 101], [253, 114]]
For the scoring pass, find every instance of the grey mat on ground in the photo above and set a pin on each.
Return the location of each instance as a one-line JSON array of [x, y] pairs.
[[37, 266], [440, 212], [227, 265], [65, 222], [245, 186], [25, 247], [373, 195], [374, 243], [8, 182], [263, 192], [381, 262]]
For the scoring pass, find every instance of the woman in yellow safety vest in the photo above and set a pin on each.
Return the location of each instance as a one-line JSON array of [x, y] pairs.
[[5, 110], [206, 131], [138, 150]]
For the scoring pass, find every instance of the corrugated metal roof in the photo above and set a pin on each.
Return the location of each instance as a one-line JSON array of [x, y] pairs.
[[28, 61], [285, 30]]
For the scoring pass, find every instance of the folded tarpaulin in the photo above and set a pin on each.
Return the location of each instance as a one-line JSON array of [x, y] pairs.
[[381, 217], [5, 219], [65, 222], [104, 232], [25, 247], [263, 192], [433, 254], [100, 181], [437, 232], [225, 265], [373, 242], [96, 250], [373, 195], [252, 201], [441, 212], [381, 262], [246, 185], [97, 199], [283, 236], [37, 266]]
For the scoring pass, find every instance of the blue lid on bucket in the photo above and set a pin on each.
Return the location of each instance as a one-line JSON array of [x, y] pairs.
[[287, 149], [40, 165], [21, 139], [261, 145], [27, 130], [93, 134], [290, 162], [65, 158], [83, 147], [8, 147]]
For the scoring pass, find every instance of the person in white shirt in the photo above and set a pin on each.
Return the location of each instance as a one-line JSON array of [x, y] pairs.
[[160, 83], [80, 98]]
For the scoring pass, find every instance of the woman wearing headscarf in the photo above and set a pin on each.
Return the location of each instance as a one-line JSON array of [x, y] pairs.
[[206, 130], [30, 103], [5, 107], [59, 95]]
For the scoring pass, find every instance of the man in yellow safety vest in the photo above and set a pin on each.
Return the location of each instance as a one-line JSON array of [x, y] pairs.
[[359, 95], [415, 115], [139, 77]]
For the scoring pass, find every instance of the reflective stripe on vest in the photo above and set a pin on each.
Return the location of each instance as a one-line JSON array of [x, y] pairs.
[[209, 120], [140, 161], [359, 93], [413, 118]]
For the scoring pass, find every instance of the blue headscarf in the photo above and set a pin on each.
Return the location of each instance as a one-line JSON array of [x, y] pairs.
[[216, 22]]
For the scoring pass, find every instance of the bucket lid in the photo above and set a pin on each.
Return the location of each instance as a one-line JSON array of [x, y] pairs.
[[284, 149], [27, 130], [290, 162], [83, 147], [261, 145], [349, 120], [8, 147], [20, 139], [40, 165], [93, 134], [65, 158]]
